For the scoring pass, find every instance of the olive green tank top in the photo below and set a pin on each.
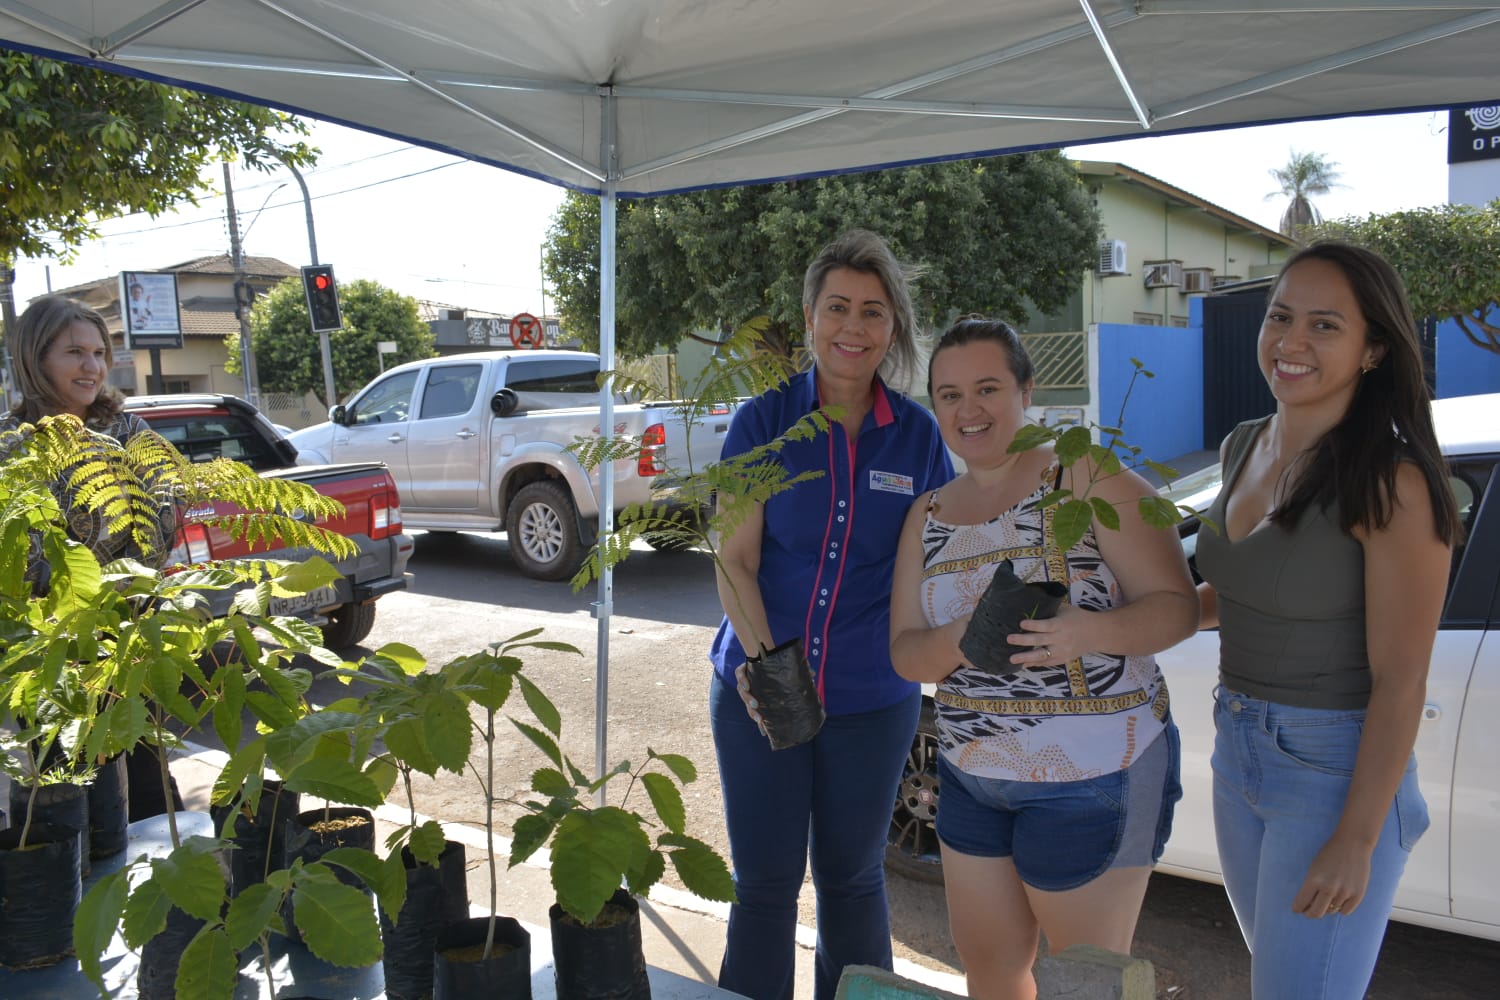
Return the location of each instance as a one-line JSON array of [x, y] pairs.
[[1291, 601]]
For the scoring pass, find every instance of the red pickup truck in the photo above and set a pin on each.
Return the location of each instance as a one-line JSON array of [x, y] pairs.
[[205, 427]]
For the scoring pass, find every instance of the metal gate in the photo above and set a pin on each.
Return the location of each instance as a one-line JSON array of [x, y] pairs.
[[1233, 387]]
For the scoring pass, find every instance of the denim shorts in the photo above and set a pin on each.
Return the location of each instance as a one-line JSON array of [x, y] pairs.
[[1064, 834]]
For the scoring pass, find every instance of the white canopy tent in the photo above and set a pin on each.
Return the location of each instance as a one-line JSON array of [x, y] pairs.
[[626, 98]]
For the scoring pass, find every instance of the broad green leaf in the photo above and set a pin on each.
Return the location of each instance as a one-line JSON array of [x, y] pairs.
[[209, 966], [250, 914], [297, 578], [95, 920], [382, 771], [1073, 444], [700, 867], [1105, 459], [550, 781], [359, 861], [1166, 472], [685, 769], [392, 891], [410, 661], [667, 800], [543, 742], [527, 834], [639, 881], [1030, 436], [1158, 512], [1105, 513], [229, 709], [427, 842], [145, 914], [591, 852], [541, 707], [406, 742], [336, 780], [192, 880], [1071, 523], [337, 922], [445, 723]]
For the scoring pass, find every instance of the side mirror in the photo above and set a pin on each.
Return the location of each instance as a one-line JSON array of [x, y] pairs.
[[504, 403], [339, 414]]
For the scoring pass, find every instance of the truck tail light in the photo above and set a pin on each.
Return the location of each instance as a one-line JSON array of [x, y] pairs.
[[385, 514], [653, 444], [191, 547]]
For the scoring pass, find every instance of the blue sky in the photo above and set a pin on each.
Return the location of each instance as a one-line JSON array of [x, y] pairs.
[[439, 228]]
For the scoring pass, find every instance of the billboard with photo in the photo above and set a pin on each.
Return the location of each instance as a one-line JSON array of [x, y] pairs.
[[148, 310]]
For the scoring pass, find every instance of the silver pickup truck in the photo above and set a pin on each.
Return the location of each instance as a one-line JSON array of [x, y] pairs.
[[479, 442]]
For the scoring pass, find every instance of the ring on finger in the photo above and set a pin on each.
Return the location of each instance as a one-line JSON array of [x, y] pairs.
[[1046, 652]]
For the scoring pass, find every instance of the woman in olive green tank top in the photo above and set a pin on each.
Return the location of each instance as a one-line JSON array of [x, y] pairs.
[[1326, 580]]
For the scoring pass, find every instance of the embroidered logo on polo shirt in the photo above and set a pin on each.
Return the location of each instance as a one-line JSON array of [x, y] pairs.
[[890, 482]]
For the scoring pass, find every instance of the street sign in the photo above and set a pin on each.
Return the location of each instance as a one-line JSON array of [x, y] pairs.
[[526, 331]]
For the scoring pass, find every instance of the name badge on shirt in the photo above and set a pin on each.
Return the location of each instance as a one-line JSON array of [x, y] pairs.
[[890, 482]]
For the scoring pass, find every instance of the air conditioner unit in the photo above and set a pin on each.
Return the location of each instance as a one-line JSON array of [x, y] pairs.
[[1197, 279], [1111, 257], [1163, 274]]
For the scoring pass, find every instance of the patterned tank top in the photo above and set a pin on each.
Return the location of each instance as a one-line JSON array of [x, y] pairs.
[[1092, 716]]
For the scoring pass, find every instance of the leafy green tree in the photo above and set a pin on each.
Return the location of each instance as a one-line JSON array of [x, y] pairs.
[[1304, 175], [287, 357], [78, 144], [993, 235], [1447, 257]]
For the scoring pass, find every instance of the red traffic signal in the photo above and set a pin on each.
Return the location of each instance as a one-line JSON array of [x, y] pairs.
[[322, 298]]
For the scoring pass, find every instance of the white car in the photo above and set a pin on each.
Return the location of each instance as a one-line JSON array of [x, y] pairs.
[[1449, 882]]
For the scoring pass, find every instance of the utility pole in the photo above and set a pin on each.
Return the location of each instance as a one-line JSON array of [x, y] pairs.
[[8, 316], [237, 259]]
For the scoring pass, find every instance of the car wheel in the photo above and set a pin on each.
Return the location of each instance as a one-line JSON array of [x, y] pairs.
[[543, 531], [348, 624], [911, 845]]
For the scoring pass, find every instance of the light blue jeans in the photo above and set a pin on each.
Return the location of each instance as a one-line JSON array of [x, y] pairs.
[[1281, 775]]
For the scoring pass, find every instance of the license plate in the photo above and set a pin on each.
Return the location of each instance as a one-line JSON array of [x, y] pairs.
[[301, 604]]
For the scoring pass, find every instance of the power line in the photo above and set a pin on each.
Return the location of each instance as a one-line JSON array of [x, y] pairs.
[[284, 204]]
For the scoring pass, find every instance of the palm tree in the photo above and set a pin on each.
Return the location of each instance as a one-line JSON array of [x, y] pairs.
[[1304, 174]]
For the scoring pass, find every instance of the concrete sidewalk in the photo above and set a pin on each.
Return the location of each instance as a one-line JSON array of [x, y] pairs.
[[681, 933]]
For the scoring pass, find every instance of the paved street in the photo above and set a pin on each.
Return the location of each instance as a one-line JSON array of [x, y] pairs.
[[465, 592]]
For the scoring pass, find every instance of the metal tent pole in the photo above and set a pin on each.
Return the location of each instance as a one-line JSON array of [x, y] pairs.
[[604, 606]]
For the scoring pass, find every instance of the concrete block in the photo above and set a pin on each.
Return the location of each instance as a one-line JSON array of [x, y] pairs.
[[866, 982], [1084, 972]]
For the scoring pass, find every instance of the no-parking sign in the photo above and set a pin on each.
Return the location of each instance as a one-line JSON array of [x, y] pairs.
[[526, 331]]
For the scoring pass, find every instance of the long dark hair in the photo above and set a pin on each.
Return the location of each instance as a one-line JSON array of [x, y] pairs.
[[1389, 419]]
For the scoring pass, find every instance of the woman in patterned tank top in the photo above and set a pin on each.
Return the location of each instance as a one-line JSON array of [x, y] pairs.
[[1059, 775]]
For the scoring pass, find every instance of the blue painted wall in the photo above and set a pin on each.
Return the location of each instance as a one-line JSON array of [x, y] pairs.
[[1462, 368], [1165, 415]]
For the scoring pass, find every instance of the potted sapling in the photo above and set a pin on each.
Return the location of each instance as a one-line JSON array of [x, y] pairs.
[[489, 956], [700, 506], [1008, 599], [603, 856]]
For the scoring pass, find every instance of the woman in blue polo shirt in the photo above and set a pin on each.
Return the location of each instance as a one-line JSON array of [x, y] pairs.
[[816, 562]]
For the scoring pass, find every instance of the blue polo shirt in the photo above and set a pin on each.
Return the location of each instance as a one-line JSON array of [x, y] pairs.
[[829, 544]]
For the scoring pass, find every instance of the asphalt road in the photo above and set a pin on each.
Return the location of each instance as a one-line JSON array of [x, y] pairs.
[[465, 593]]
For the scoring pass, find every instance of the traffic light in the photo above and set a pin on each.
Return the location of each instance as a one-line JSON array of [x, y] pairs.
[[322, 297]]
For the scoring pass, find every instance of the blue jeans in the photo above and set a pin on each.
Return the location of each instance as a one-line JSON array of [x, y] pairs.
[[835, 793], [1281, 775]]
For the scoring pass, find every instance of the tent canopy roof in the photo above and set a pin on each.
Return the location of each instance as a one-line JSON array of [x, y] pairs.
[[707, 93]]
